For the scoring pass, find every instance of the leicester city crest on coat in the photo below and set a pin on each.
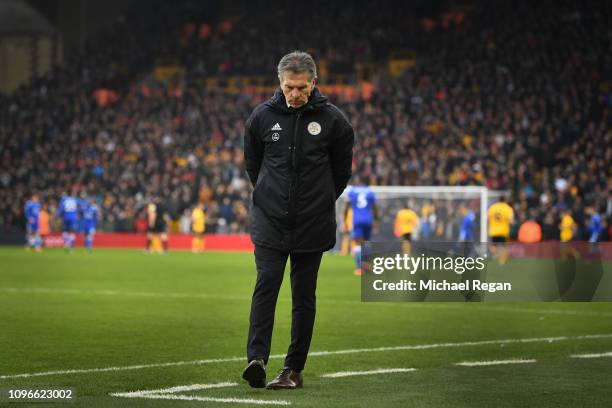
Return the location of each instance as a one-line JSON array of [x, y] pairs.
[[314, 128]]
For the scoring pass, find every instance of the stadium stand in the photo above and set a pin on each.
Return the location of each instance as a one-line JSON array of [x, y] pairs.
[[515, 97]]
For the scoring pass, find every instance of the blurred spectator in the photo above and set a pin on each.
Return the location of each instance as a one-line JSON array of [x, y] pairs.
[[185, 222]]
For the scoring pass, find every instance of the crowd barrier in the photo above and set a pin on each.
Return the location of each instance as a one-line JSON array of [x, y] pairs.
[[221, 242], [242, 242], [556, 249]]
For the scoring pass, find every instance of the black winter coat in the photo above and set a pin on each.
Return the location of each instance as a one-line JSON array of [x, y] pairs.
[[299, 162]]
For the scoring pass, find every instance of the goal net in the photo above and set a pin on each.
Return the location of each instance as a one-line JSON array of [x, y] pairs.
[[440, 209]]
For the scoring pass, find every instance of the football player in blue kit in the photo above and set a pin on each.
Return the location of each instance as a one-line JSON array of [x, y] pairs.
[[32, 211], [89, 220], [68, 211], [362, 201]]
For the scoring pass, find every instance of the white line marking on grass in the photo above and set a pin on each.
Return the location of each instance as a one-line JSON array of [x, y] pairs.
[[124, 368], [594, 355], [170, 394], [180, 388], [462, 344], [211, 399], [458, 307], [495, 362], [315, 354], [369, 372]]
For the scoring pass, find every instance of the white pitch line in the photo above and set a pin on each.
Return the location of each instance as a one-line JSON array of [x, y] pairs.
[[594, 355], [172, 390], [125, 368], [212, 399], [457, 307], [495, 362], [315, 354], [369, 372], [169, 394], [461, 344]]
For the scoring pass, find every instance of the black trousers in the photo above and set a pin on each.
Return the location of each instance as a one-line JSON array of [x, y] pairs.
[[270, 270]]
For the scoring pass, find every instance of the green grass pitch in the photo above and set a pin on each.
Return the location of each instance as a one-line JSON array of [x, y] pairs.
[[119, 321]]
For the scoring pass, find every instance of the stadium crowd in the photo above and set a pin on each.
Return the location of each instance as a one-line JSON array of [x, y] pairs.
[[515, 97]]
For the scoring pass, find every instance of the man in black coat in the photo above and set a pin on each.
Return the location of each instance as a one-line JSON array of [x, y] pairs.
[[298, 155]]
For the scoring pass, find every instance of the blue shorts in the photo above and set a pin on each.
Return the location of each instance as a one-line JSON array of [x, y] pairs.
[[362, 231], [425, 230], [32, 228], [71, 225], [89, 229], [465, 236]]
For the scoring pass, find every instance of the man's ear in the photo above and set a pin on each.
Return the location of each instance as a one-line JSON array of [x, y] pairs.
[[313, 84]]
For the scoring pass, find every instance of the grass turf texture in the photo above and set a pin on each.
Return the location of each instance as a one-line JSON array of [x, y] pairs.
[[117, 308]]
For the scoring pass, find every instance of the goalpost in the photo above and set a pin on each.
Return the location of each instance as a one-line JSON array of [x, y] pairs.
[[440, 209]]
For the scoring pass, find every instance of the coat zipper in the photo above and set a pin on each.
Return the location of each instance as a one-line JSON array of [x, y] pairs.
[[293, 174]]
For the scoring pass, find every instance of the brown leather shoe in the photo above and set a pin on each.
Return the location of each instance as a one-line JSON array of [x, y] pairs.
[[255, 373], [287, 379]]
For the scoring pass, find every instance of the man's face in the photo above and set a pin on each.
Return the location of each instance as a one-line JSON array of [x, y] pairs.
[[296, 87]]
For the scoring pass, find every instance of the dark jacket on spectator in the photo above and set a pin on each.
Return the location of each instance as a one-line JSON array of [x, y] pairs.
[[299, 162]]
